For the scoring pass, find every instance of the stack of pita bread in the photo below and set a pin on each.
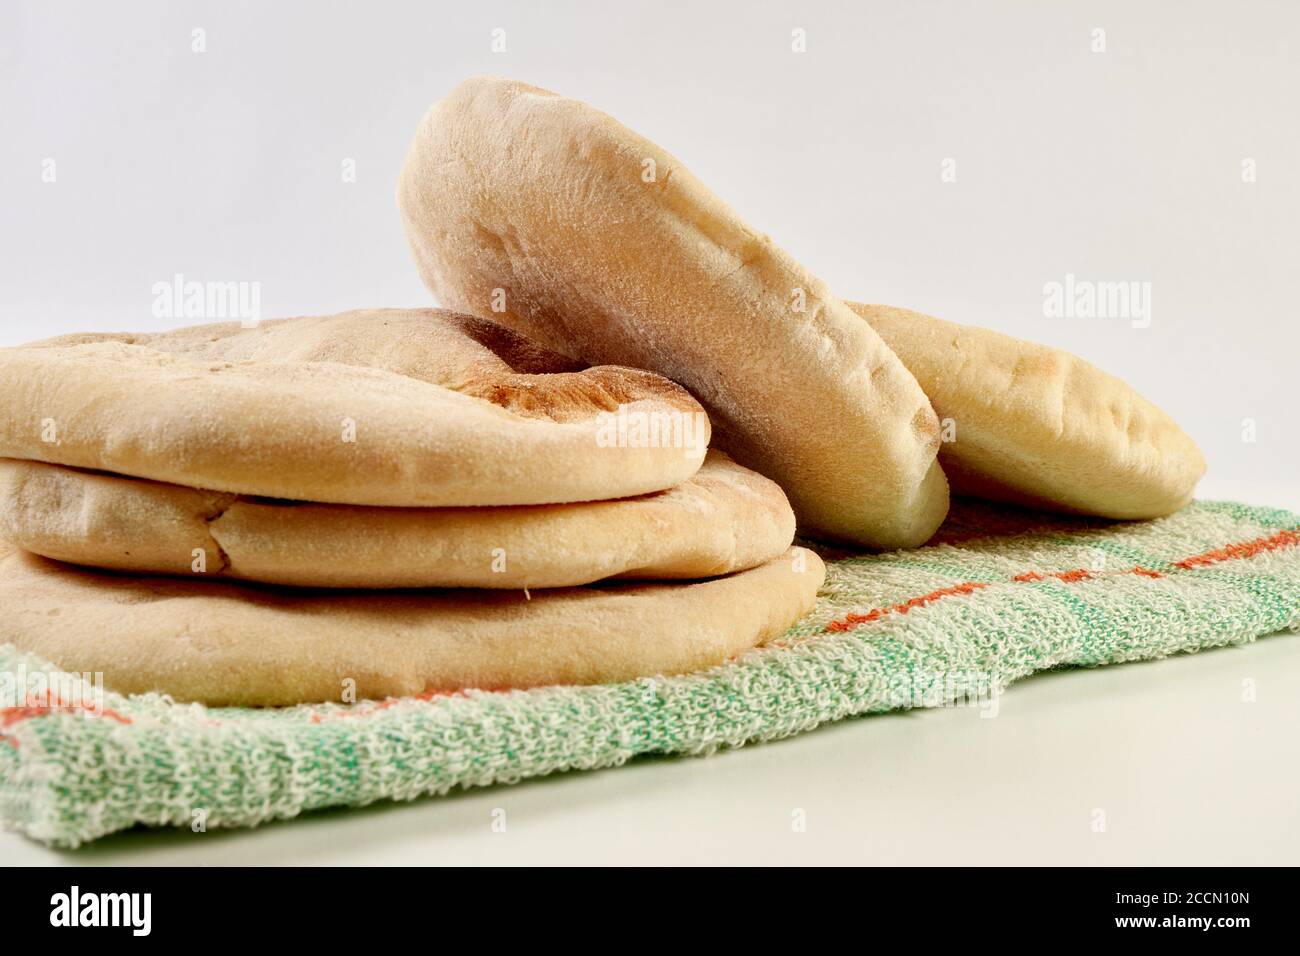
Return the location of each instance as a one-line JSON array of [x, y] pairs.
[[347, 465], [334, 460]]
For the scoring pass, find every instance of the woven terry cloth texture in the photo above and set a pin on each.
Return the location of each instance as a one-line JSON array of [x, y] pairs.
[[997, 595]]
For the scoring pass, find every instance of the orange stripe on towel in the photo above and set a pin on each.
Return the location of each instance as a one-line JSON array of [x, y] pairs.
[[9, 716], [1231, 552], [1248, 549], [850, 621]]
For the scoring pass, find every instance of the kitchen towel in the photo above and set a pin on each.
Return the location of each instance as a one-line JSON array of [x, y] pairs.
[[998, 594]]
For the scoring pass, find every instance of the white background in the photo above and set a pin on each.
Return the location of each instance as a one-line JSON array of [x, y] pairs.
[[1124, 165]]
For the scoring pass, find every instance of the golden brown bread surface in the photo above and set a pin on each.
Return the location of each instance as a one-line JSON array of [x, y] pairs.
[[602, 245], [257, 645], [1039, 427], [724, 518], [376, 407]]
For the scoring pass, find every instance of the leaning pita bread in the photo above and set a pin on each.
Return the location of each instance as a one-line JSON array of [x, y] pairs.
[[723, 519], [384, 407], [1040, 427], [511, 191], [253, 645]]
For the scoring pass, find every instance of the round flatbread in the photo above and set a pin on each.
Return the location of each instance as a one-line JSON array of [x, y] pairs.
[[725, 518], [255, 645], [382, 407], [1039, 427], [562, 223]]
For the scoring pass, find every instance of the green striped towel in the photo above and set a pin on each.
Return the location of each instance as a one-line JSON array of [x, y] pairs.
[[997, 595]]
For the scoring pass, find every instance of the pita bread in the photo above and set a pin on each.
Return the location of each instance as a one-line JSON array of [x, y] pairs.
[[512, 192], [230, 644], [385, 407], [723, 519], [1039, 427]]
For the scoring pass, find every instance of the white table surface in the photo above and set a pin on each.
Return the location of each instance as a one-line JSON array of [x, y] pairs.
[[1185, 771]]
